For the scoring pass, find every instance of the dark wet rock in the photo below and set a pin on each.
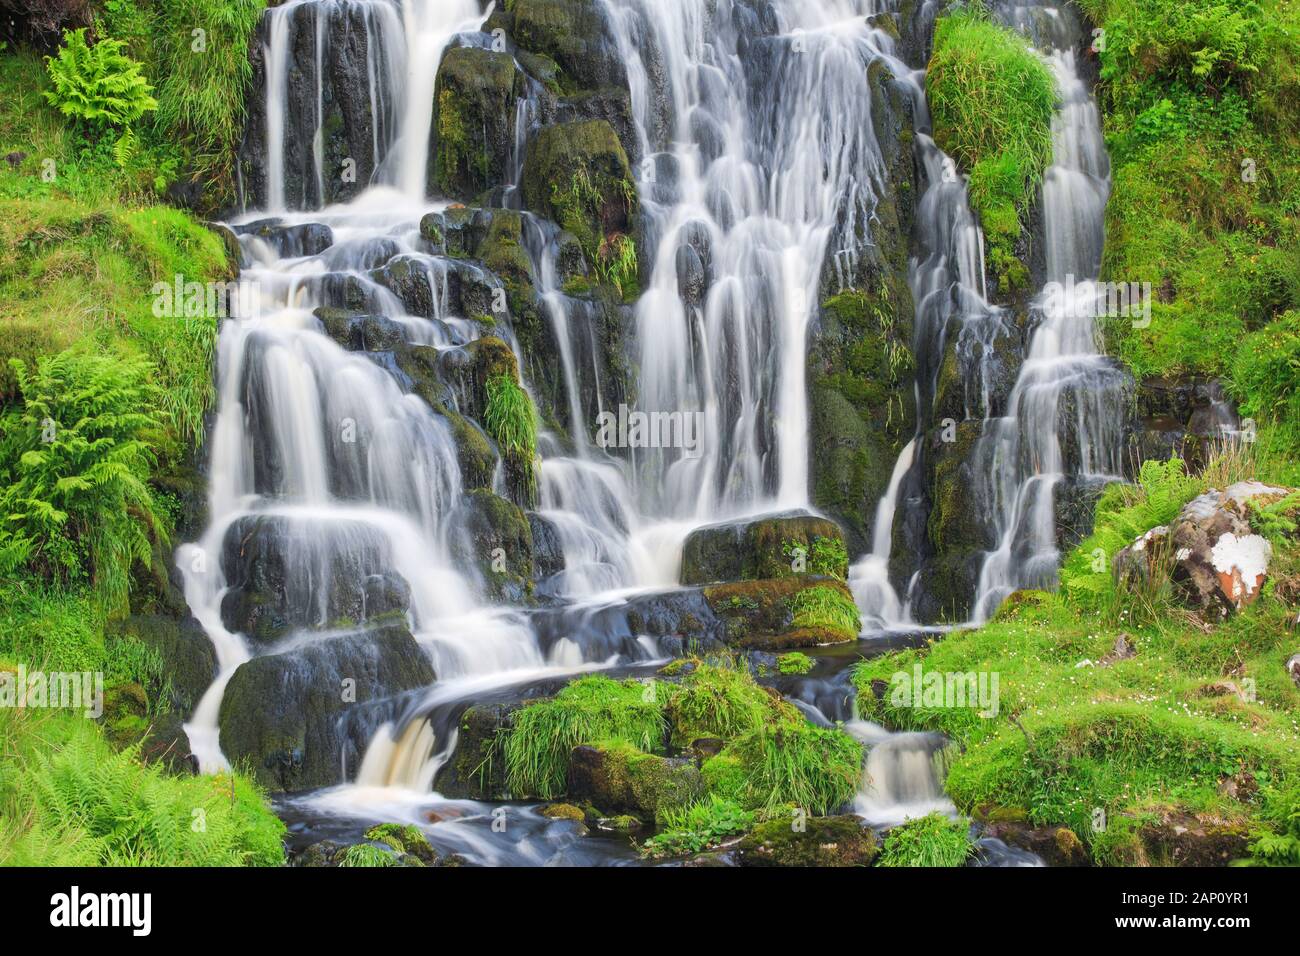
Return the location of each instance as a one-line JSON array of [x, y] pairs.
[[285, 574], [285, 713], [860, 364], [772, 547], [476, 770], [474, 121], [362, 333], [289, 241], [819, 841], [498, 541], [188, 659], [1180, 418], [590, 152], [616, 777], [1076, 506], [1056, 846], [548, 550], [576, 35], [334, 49], [1181, 838], [167, 743]]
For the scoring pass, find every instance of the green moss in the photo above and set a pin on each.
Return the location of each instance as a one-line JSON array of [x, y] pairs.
[[931, 840], [511, 420], [992, 100], [794, 663], [698, 827], [720, 700]]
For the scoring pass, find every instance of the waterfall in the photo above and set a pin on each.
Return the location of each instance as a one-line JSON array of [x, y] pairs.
[[741, 181], [1064, 417]]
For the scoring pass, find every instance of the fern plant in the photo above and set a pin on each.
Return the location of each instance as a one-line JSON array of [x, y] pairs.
[[101, 87], [75, 461]]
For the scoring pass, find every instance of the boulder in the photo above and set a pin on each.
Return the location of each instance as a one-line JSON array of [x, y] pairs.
[[821, 841], [576, 36], [799, 611], [286, 714], [618, 777], [497, 539], [773, 547], [1214, 557], [188, 658], [288, 574], [474, 121]]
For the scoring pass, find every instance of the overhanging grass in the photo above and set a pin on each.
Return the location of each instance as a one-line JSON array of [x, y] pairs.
[[591, 709], [992, 100], [796, 764], [720, 700]]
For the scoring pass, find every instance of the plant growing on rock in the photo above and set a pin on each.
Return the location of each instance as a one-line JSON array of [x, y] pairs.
[[931, 840], [511, 420], [992, 100], [796, 764]]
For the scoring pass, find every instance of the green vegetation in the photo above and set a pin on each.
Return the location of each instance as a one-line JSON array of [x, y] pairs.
[[100, 87], [1201, 110], [795, 662], [511, 420], [74, 469], [796, 764], [1139, 739], [825, 608], [699, 827], [68, 799], [616, 262], [931, 840], [992, 100], [366, 855], [718, 700], [590, 710]]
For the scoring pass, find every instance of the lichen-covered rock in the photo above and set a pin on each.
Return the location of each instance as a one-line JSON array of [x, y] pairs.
[[773, 547], [474, 120], [1215, 558], [818, 841], [800, 611], [284, 713], [618, 777]]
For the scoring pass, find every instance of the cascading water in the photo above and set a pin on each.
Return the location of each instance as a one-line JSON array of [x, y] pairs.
[[1063, 421]]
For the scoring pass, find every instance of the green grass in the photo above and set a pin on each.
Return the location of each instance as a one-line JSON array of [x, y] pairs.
[[1201, 111], [510, 418], [590, 710], [796, 764], [992, 100], [931, 840], [822, 606], [719, 700], [699, 827], [795, 662], [68, 799]]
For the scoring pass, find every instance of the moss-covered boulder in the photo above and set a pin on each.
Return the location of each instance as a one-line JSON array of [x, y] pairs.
[[618, 777], [774, 547], [188, 660], [474, 120], [575, 36], [816, 841], [577, 174], [476, 770], [800, 611], [497, 540], [285, 714]]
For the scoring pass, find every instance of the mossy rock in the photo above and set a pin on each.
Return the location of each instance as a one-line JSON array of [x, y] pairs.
[[474, 120], [404, 839], [476, 771], [574, 35], [500, 544], [618, 777], [189, 663], [577, 174], [821, 841], [773, 547], [1179, 838], [284, 713], [563, 811], [766, 615]]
